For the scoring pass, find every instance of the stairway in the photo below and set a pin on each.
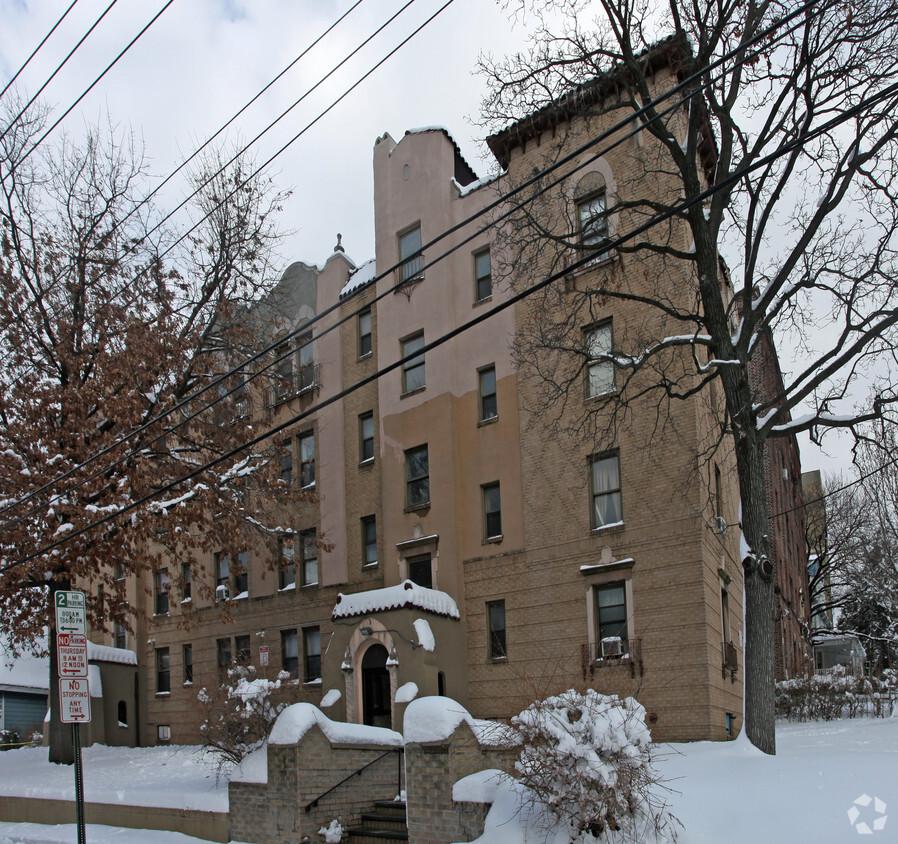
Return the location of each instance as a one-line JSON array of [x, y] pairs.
[[385, 823]]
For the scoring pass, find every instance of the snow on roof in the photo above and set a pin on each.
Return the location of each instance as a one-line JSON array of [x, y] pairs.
[[359, 277], [103, 653], [437, 718], [403, 596], [26, 672], [296, 720]]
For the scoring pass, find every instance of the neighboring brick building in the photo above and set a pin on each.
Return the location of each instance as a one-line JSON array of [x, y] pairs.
[[539, 563]]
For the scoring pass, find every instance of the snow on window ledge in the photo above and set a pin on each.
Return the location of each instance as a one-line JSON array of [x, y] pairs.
[[163, 694], [290, 587], [609, 526]]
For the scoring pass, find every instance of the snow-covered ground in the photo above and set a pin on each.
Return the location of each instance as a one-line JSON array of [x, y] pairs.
[[724, 793]]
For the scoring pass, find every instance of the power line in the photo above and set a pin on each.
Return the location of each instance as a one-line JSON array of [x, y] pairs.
[[624, 122], [59, 67], [789, 146], [35, 51], [87, 90]]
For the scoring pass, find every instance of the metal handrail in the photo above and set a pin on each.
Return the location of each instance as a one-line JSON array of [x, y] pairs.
[[357, 773]]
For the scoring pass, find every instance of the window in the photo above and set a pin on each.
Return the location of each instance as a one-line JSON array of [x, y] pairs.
[[599, 370], [488, 405], [495, 619], [718, 492], [290, 653], [163, 733], [369, 541], [287, 565], [420, 570], [413, 368], [307, 378], [492, 511], [163, 671], [121, 572], [286, 462], [222, 577], [592, 219], [122, 713], [307, 458], [311, 648], [283, 373], [725, 616], [101, 603], [309, 540], [417, 477], [223, 646], [410, 255], [241, 575], [187, 662], [611, 613], [186, 582], [366, 437], [160, 588], [242, 650], [241, 396], [606, 497], [483, 279], [365, 333], [121, 636]]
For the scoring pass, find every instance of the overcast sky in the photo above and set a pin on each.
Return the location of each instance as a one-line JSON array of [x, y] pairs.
[[202, 60]]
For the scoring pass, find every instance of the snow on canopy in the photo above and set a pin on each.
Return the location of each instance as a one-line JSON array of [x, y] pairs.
[[360, 277], [296, 720], [436, 718], [104, 653], [403, 596]]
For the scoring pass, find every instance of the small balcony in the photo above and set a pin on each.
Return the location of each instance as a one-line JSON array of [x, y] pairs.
[[608, 654]]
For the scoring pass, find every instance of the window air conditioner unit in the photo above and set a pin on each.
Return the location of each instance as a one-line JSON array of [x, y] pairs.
[[222, 593], [721, 525], [612, 647]]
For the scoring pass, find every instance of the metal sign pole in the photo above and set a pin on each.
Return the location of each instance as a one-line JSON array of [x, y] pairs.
[[79, 784]]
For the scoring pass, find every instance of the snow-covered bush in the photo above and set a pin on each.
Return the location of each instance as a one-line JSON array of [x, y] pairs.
[[836, 694], [587, 757], [239, 713], [8, 739]]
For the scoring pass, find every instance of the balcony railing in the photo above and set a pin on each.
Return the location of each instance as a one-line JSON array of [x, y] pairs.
[[600, 655]]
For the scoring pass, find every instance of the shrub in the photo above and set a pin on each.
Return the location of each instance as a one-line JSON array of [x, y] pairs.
[[588, 758], [836, 694]]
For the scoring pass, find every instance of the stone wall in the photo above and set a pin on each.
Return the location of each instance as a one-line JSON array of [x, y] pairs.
[[275, 812], [432, 768]]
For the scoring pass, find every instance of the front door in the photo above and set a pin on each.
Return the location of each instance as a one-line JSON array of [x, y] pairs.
[[376, 688]]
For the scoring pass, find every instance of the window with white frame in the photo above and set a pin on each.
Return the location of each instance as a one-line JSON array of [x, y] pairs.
[[592, 213], [599, 367], [611, 614], [307, 458], [606, 492]]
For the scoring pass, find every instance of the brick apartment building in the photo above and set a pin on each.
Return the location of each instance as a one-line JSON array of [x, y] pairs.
[[452, 541]]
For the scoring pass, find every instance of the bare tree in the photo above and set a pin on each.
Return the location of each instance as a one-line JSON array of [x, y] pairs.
[[797, 138], [100, 338]]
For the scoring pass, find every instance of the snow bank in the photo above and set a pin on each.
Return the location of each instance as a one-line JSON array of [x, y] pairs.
[[437, 718], [253, 768], [480, 787], [425, 634], [296, 720], [405, 595]]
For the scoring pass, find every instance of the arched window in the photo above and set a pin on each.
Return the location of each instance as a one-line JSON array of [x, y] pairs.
[[592, 217]]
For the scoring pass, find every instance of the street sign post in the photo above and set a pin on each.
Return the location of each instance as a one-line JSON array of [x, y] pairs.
[[74, 693], [263, 655]]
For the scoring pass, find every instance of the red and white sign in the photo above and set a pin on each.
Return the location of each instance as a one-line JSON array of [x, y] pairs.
[[263, 655], [74, 700], [71, 654]]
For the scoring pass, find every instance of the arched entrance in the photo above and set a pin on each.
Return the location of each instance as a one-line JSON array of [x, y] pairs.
[[376, 688]]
